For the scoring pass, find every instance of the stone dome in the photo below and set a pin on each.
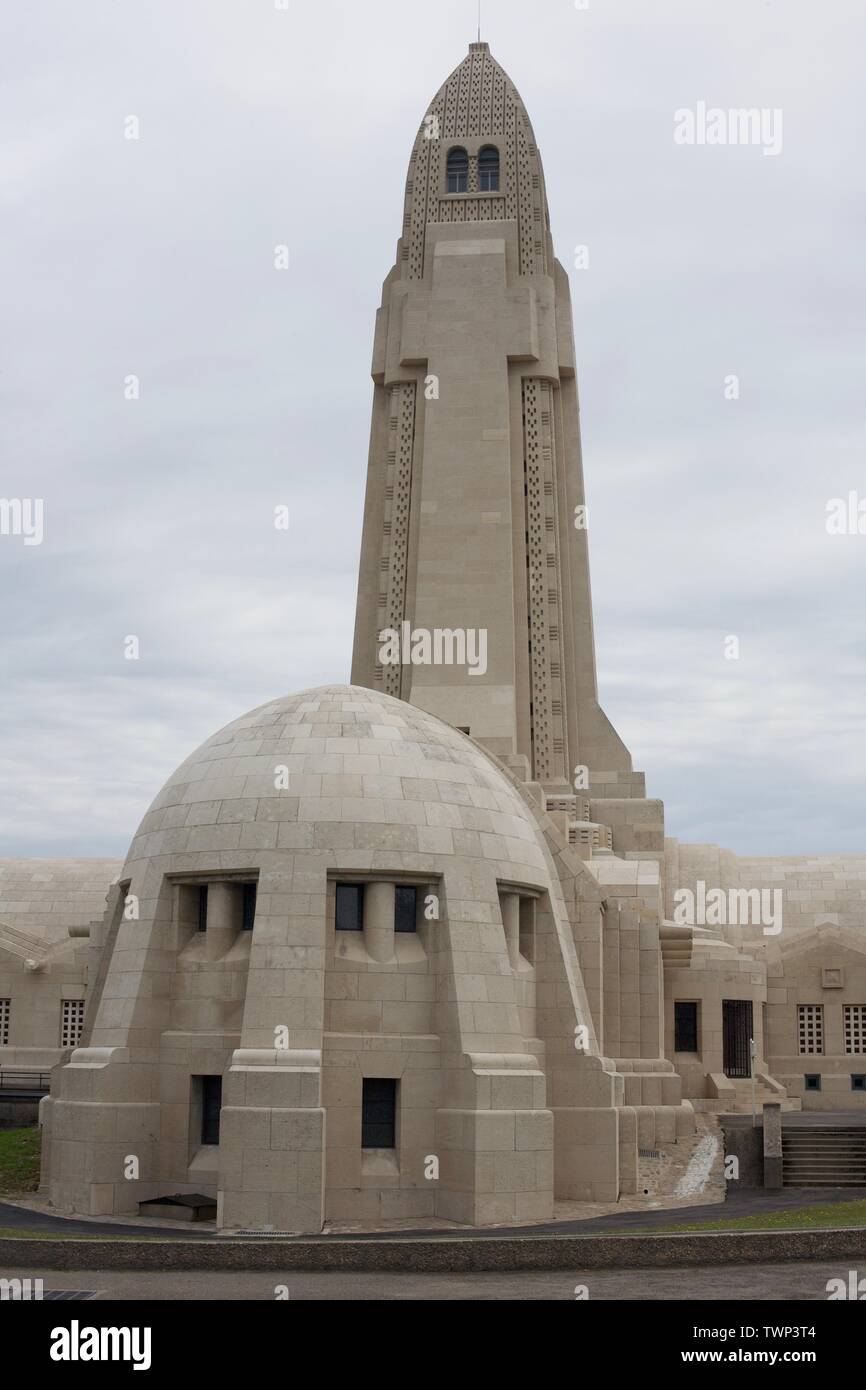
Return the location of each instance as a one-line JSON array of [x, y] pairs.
[[342, 769]]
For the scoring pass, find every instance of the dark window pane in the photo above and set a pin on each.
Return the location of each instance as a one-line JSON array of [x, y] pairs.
[[379, 1113], [488, 169], [686, 1027], [458, 171], [350, 906], [249, 911], [526, 936], [211, 1103], [202, 908], [405, 909], [858, 1083], [813, 1082]]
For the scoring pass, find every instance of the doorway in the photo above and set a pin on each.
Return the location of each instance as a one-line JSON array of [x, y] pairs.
[[736, 1034]]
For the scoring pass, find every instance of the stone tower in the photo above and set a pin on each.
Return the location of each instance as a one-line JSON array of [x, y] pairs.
[[472, 522]]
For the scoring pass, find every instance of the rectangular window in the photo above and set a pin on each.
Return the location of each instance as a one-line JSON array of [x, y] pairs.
[[5, 1010], [810, 1027], [526, 931], [855, 1027], [350, 906], [858, 1083], [249, 905], [379, 1113], [405, 909], [685, 1027], [202, 908], [71, 1021], [211, 1104], [813, 1082]]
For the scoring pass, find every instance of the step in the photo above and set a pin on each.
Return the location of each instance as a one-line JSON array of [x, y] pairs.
[[843, 1146], [823, 1168], [821, 1182]]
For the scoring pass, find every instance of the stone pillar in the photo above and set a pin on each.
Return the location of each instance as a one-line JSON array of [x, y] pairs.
[[379, 921], [222, 923], [510, 905], [772, 1145]]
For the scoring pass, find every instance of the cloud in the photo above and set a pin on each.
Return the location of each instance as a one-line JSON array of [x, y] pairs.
[[155, 258]]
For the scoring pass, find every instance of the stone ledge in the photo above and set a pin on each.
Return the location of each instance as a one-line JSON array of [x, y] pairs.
[[439, 1255]]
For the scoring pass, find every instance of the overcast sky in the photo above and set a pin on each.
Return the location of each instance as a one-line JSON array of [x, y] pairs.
[[155, 258]]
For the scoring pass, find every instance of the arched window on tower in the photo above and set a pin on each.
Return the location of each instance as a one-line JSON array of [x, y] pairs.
[[488, 169], [458, 171]]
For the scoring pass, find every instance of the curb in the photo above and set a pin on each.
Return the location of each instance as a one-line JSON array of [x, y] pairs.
[[439, 1255]]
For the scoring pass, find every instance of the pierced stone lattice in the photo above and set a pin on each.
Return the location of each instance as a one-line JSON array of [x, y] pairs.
[[71, 1021], [855, 1028], [547, 729], [810, 1019], [395, 529]]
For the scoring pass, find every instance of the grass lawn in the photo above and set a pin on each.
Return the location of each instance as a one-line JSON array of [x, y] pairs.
[[19, 1161], [822, 1215]]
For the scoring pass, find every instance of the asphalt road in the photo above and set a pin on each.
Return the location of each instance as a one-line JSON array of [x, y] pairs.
[[748, 1202], [738, 1283]]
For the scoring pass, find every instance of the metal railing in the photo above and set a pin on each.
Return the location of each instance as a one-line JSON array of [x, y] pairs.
[[24, 1080]]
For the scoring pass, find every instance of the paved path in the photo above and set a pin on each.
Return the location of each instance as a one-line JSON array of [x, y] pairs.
[[740, 1283], [749, 1202]]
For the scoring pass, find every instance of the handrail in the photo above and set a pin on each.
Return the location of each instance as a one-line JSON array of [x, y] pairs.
[[25, 1080]]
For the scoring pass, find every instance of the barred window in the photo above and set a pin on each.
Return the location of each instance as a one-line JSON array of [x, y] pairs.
[[5, 1010], [458, 171], [810, 1019], [488, 169], [855, 1027], [71, 1021]]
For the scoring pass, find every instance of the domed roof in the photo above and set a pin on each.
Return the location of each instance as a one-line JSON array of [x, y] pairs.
[[347, 770]]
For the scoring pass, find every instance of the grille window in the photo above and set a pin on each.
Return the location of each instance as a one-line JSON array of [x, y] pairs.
[[379, 1113], [685, 1027], [405, 909], [349, 906], [5, 1010], [810, 1019], [71, 1021], [855, 1027]]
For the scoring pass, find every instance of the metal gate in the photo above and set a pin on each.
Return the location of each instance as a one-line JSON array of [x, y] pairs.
[[736, 1033]]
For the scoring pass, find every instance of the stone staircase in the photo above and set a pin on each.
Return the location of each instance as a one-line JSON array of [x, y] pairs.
[[734, 1097], [823, 1156]]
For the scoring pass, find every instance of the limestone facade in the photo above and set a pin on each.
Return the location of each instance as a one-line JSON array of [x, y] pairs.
[[46, 908]]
